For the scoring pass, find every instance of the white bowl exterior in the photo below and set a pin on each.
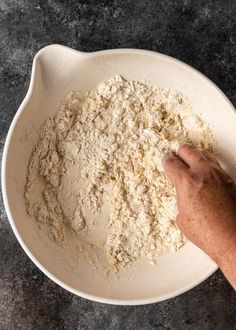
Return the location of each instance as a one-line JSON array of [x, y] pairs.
[[58, 70]]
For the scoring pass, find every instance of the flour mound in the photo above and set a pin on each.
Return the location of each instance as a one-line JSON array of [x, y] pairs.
[[116, 136]]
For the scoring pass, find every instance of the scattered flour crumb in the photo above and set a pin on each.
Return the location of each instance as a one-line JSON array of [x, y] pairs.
[[118, 134]]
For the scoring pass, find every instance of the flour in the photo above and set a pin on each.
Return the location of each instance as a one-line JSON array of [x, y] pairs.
[[108, 146]]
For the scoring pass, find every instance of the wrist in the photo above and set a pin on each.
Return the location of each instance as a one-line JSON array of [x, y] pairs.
[[225, 257]]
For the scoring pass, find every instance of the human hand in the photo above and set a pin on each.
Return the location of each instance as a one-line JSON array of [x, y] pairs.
[[206, 199]]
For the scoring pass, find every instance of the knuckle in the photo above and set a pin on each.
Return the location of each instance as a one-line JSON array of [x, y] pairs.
[[187, 149], [186, 146], [209, 175], [210, 171], [169, 161], [203, 163], [188, 152], [204, 167], [202, 160]]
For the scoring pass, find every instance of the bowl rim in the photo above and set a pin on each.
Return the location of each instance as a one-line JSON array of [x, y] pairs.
[[113, 301]]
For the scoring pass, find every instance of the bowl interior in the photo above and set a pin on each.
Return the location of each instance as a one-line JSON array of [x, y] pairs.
[[58, 70]]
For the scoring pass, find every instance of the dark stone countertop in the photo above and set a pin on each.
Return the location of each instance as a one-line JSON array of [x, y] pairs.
[[202, 34]]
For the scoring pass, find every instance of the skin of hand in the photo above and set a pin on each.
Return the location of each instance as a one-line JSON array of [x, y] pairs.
[[206, 199]]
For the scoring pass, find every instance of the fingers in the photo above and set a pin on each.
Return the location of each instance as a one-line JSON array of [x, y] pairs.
[[191, 156], [174, 168], [188, 158], [209, 156]]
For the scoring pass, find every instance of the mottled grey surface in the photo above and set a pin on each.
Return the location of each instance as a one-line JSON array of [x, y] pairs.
[[201, 33]]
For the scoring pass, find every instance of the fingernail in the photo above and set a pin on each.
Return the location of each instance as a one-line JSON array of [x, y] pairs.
[[177, 148], [179, 145]]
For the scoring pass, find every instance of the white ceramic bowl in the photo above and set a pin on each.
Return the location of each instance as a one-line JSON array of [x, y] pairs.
[[58, 70]]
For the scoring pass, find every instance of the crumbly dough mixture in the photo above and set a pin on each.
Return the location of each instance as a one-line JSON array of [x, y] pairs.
[[116, 136]]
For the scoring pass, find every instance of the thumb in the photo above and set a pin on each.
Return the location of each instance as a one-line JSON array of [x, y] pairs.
[[174, 168]]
